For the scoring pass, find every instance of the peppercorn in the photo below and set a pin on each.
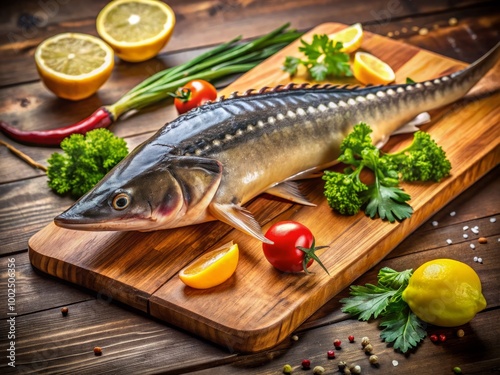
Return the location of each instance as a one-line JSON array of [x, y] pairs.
[[337, 343], [287, 369], [355, 369], [368, 348], [98, 351], [373, 359], [64, 311], [318, 370], [351, 338], [365, 341], [442, 337], [434, 338], [330, 354], [460, 333], [342, 365], [295, 338], [457, 370], [306, 364]]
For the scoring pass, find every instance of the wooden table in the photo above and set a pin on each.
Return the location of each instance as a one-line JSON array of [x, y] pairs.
[[133, 343]]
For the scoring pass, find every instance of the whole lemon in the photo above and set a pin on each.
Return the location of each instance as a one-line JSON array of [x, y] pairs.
[[445, 292]]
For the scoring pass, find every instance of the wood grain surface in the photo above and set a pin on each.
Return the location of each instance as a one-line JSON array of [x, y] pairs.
[[139, 269]]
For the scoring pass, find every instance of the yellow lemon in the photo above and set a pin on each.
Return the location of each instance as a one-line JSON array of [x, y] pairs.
[[72, 65], [445, 292], [369, 69], [212, 268], [136, 29], [351, 37]]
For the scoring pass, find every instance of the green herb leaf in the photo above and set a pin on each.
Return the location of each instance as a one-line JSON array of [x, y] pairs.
[[403, 328], [387, 202], [367, 301], [394, 279], [322, 58]]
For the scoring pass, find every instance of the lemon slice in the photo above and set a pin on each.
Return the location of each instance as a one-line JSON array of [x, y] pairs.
[[351, 37], [212, 268], [369, 69], [136, 29], [74, 66]]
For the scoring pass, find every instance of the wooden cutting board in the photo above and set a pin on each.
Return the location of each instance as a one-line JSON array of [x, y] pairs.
[[258, 306]]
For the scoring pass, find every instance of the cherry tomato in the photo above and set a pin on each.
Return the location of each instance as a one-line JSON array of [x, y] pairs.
[[194, 94], [293, 247]]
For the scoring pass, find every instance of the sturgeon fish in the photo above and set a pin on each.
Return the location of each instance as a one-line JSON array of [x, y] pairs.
[[206, 164]]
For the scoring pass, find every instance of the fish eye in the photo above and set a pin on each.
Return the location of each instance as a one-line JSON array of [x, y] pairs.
[[121, 201]]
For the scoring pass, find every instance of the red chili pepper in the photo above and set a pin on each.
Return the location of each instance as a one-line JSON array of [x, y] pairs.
[[101, 118]]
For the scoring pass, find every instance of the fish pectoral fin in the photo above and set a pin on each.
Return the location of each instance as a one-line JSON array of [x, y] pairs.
[[239, 218], [290, 191]]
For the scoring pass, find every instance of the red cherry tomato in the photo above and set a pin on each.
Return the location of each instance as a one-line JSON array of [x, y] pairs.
[[194, 94], [293, 247]]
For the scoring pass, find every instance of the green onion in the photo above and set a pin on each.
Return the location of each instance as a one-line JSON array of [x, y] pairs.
[[224, 60]]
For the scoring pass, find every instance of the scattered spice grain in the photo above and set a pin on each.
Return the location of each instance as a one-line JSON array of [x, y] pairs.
[[97, 351], [64, 311]]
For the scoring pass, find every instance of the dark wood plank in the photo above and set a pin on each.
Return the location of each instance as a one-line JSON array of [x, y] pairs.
[[249, 18]]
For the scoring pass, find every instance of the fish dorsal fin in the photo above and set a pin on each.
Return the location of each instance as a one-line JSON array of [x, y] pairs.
[[290, 191], [198, 178], [239, 218]]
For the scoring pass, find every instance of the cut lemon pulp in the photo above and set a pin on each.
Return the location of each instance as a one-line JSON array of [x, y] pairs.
[[212, 268], [136, 29], [369, 69], [351, 37], [72, 65]]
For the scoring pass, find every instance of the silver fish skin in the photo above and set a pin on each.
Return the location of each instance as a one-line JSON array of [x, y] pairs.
[[206, 164]]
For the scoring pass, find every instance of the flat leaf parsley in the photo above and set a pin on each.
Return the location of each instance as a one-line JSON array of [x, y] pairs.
[[422, 160], [323, 58], [402, 327]]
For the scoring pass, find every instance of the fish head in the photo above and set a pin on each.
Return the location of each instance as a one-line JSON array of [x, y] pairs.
[[145, 195]]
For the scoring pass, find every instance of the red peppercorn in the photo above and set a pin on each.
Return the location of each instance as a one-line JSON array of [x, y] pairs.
[[442, 338], [306, 364], [330, 354], [351, 338], [337, 343], [434, 338]]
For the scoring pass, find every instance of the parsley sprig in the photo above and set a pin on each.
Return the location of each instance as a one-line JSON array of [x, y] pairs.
[[322, 58], [422, 160], [384, 300]]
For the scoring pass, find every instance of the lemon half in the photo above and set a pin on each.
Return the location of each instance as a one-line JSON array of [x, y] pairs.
[[369, 69], [351, 37], [136, 29], [212, 268], [73, 65], [445, 292]]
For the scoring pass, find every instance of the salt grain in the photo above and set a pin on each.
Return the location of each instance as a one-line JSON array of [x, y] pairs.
[[475, 259], [449, 242], [395, 363], [493, 219], [475, 230], [466, 235], [480, 260], [472, 246], [453, 213], [434, 223], [466, 227]]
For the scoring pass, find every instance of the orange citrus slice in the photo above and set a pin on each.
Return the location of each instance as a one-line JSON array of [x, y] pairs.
[[351, 37], [369, 69], [72, 65], [212, 268], [136, 29]]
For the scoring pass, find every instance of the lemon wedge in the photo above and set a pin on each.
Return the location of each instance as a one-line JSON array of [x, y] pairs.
[[351, 38], [369, 69], [73, 65], [136, 29], [212, 268]]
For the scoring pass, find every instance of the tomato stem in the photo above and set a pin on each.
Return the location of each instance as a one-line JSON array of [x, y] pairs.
[[309, 253]]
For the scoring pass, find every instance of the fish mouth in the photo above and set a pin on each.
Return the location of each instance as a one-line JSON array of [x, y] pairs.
[[68, 222]]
